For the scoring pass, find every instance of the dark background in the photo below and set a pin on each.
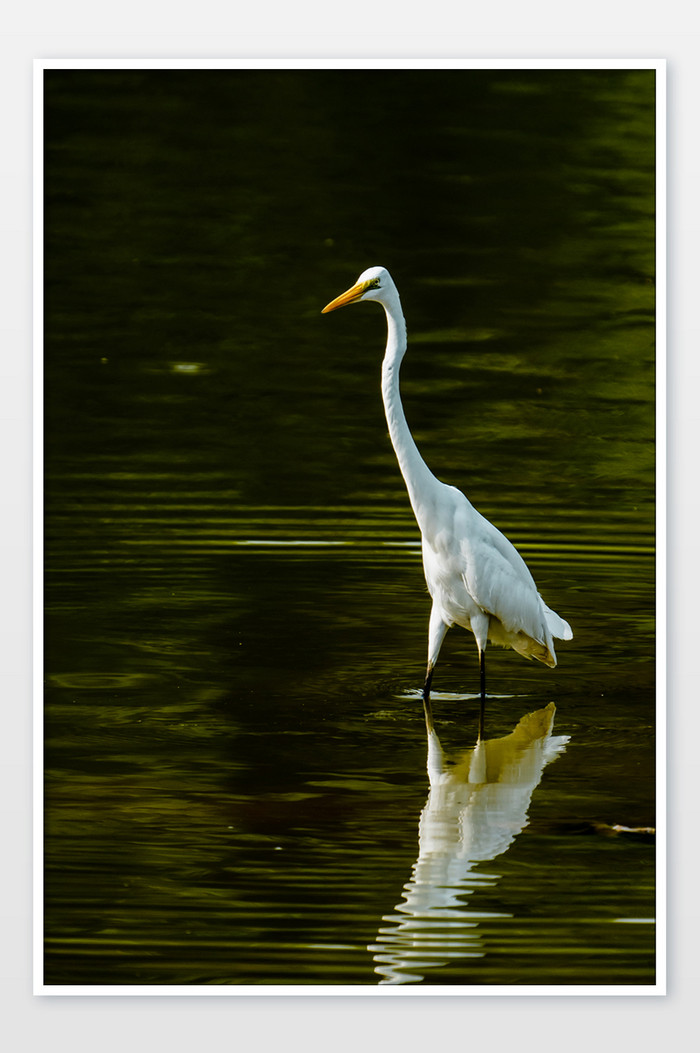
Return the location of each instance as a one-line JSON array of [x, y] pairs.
[[236, 617]]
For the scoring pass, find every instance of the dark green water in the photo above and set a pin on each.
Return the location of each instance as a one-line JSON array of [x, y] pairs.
[[236, 617]]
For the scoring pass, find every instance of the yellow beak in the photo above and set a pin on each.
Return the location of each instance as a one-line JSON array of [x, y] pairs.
[[351, 296]]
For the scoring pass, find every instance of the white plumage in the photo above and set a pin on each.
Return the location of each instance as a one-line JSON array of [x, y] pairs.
[[475, 576]]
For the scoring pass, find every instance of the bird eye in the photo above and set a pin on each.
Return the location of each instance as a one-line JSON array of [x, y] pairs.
[[373, 283]]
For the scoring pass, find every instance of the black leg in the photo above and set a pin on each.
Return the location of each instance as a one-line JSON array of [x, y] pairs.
[[482, 678], [426, 701]]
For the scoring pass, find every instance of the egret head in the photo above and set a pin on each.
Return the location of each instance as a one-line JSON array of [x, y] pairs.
[[373, 284]]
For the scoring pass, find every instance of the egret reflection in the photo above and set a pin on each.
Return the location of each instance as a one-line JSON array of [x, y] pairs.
[[477, 805]]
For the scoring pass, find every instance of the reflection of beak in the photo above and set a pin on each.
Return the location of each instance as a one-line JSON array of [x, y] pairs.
[[351, 296]]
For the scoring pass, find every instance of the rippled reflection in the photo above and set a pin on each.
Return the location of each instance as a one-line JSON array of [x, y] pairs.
[[476, 807]]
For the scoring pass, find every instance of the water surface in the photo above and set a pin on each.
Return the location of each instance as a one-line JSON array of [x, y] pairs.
[[240, 789]]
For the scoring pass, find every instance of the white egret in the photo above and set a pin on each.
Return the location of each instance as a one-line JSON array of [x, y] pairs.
[[475, 576]]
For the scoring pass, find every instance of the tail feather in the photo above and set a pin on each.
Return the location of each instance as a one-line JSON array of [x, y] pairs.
[[556, 625]]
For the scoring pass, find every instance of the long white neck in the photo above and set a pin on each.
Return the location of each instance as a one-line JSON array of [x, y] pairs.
[[415, 471]]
